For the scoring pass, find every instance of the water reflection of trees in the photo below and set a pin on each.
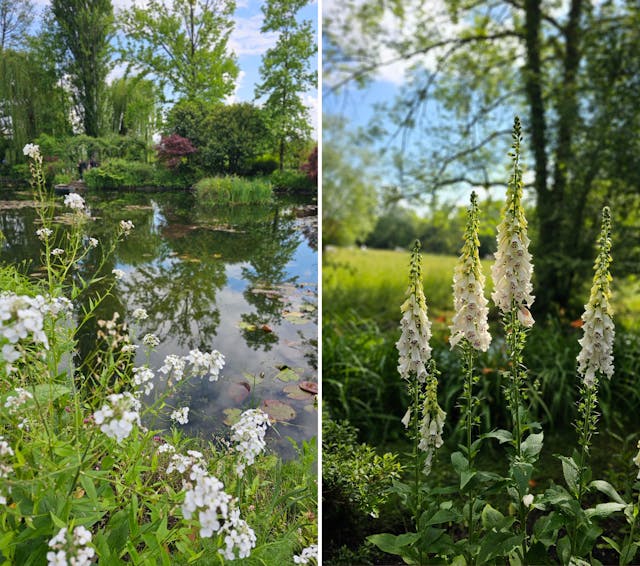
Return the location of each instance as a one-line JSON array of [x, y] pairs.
[[276, 242]]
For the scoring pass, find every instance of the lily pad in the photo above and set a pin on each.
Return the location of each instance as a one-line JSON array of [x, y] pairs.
[[293, 391], [309, 387], [287, 374], [311, 408], [277, 410], [295, 317], [231, 416], [246, 326]]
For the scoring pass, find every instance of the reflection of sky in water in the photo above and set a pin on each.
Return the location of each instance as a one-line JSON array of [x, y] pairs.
[[203, 280]]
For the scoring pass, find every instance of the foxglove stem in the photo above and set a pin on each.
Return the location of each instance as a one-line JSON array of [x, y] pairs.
[[470, 401]]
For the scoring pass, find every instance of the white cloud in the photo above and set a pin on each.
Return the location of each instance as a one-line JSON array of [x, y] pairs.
[[233, 97], [246, 38], [311, 102]]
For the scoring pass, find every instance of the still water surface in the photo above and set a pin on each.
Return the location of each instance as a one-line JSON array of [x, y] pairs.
[[241, 280]]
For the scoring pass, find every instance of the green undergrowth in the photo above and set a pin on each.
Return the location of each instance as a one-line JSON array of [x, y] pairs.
[[233, 190]]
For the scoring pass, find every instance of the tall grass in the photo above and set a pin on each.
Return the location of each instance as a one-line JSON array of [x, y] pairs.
[[233, 190]]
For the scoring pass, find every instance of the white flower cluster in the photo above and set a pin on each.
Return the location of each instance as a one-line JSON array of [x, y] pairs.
[[117, 418], [21, 316], [93, 242], [59, 305], [175, 365], [74, 201], [469, 302], [140, 314], [203, 363], [512, 269], [248, 434], [43, 233], [117, 273], [5, 469], [413, 346], [206, 500], [181, 415], [14, 402], [71, 551], [431, 432], [55, 252], [166, 448], [143, 376], [636, 460], [307, 554], [31, 150], [150, 340], [126, 226], [596, 354]]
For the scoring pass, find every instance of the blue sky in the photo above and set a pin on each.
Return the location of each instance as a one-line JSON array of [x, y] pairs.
[[248, 44]]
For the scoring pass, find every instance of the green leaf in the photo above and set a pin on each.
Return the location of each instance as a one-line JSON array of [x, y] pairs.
[[496, 544], [465, 477], [570, 472], [439, 517], [603, 510], [546, 528], [459, 462], [606, 488], [48, 392], [501, 435], [396, 544], [521, 473], [613, 544], [287, 374], [532, 446], [564, 549], [491, 517]]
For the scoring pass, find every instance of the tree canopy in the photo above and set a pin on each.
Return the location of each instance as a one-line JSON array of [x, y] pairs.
[[183, 43], [570, 69]]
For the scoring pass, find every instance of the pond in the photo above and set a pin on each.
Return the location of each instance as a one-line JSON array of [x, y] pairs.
[[241, 280]]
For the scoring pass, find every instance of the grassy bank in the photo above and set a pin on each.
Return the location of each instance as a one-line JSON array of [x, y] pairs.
[[233, 190]]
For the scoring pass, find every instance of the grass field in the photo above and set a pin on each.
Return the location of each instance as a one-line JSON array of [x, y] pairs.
[[373, 283]]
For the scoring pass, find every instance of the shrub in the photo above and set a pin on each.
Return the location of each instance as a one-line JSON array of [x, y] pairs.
[[263, 165], [233, 190], [118, 173], [292, 181]]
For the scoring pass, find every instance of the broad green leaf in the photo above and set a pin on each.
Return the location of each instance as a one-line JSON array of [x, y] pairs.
[[287, 374], [48, 392], [459, 462], [532, 446], [564, 549], [395, 544], [491, 517], [570, 472], [496, 544], [501, 435], [603, 510], [606, 488]]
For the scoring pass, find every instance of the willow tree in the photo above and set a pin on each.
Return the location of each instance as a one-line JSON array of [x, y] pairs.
[[286, 72], [85, 29]]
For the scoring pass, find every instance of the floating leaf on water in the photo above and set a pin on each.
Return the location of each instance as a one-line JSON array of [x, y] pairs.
[[287, 374], [309, 387], [294, 392], [217, 256], [266, 328], [277, 410], [309, 307], [232, 416], [311, 408], [295, 317], [246, 326]]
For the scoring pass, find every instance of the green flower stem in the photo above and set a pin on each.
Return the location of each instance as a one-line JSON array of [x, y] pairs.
[[470, 403], [416, 453]]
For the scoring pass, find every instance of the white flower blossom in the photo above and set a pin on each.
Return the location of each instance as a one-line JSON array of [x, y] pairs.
[[206, 362], [636, 460], [143, 376], [413, 347], [140, 314], [118, 273], [175, 365], [512, 269], [431, 429], [71, 550], [116, 419], [74, 201], [93, 242], [527, 500], [166, 448], [596, 354], [57, 252], [129, 348], [307, 554], [14, 402], [21, 317], [126, 226], [150, 341], [43, 233], [470, 304], [248, 434], [181, 415], [31, 150]]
